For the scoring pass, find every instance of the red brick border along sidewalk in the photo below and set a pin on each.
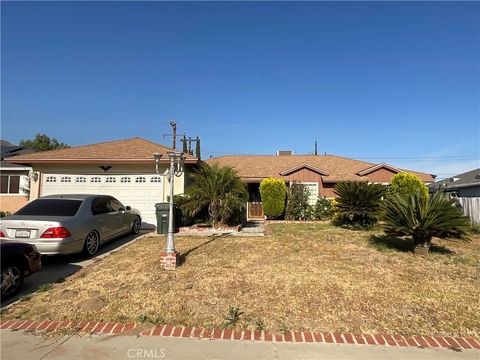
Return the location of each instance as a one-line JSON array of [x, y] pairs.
[[96, 327]]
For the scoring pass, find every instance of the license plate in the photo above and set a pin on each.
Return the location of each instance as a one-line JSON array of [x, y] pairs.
[[22, 233]]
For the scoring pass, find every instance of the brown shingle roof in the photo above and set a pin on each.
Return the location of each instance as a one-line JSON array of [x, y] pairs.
[[262, 166], [132, 150]]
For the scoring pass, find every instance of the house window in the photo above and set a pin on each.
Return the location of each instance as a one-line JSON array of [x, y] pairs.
[[125, 179], [313, 189], [80, 179], [110, 179], [155, 179], [10, 184], [140, 179], [95, 179], [65, 179], [50, 179]]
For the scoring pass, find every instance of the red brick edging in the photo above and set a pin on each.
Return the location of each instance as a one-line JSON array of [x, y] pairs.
[[96, 327]]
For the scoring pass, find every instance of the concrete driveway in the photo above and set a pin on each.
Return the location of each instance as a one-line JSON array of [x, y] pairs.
[[57, 268]]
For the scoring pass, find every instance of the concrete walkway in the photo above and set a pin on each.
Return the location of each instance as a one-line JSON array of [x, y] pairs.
[[252, 228], [18, 345]]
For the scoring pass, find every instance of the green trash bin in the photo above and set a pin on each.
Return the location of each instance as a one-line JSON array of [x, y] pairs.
[[162, 211]]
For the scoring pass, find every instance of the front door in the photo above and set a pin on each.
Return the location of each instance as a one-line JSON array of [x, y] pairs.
[[255, 210]]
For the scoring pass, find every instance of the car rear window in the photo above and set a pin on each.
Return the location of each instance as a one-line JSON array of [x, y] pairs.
[[51, 207]]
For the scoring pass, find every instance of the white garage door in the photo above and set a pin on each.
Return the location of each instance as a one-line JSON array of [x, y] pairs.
[[138, 191]]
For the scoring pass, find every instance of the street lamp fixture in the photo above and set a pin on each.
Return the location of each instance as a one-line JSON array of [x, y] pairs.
[[176, 169]]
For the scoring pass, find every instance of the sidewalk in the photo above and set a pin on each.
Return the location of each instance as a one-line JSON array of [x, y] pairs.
[[18, 345]]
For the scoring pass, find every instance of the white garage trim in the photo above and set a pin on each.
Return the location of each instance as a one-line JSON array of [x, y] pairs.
[[140, 191]]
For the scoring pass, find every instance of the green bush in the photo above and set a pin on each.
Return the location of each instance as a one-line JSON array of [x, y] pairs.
[[4, 213], [322, 209], [298, 207], [273, 193], [406, 185], [358, 205]]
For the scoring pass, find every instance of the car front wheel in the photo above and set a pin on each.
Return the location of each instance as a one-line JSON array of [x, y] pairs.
[[11, 280]]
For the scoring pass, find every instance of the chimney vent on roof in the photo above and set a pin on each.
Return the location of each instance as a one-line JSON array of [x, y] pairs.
[[284, 152]]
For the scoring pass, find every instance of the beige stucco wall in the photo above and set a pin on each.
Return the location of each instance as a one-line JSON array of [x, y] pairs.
[[117, 169], [12, 203]]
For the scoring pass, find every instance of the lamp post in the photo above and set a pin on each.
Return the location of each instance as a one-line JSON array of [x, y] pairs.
[[169, 256]]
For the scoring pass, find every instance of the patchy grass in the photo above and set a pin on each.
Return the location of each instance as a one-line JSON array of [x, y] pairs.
[[44, 287], [304, 276]]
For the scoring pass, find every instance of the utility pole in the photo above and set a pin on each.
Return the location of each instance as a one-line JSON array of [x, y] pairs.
[[316, 153], [174, 136]]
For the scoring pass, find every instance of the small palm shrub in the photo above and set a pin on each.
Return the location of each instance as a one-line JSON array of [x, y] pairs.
[[298, 207], [406, 184], [423, 218], [323, 209], [217, 190], [273, 193], [358, 204]]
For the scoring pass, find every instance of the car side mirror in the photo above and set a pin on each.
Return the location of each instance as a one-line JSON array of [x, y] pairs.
[[128, 208]]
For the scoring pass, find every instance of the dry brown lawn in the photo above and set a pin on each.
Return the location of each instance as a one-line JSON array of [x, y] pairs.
[[304, 276]]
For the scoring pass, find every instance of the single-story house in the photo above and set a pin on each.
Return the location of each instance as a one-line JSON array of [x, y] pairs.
[[463, 185], [14, 178], [124, 169], [319, 173]]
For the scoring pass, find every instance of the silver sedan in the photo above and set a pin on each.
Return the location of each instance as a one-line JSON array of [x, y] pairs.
[[68, 224]]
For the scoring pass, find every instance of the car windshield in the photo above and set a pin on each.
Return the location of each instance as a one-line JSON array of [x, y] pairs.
[[51, 207]]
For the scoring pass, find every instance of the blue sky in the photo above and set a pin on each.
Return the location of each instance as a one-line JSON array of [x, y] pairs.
[[383, 81]]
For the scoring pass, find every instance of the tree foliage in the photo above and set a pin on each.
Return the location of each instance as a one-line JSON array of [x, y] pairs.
[[42, 142], [322, 209], [406, 184], [298, 207], [423, 218], [273, 193], [219, 190], [197, 148], [359, 204]]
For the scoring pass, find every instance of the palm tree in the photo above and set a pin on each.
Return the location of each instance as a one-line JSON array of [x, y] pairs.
[[217, 188], [423, 218], [359, 204]]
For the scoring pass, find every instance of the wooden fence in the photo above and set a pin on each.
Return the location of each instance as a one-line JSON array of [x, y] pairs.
[[471, 207]]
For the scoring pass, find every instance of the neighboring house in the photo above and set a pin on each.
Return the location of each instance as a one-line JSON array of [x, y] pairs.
[[319, 173], [463, 185], [466, 188], [14, 178], [124, 169]]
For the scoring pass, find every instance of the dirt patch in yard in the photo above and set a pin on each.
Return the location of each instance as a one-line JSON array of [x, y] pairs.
[[303, 277]]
